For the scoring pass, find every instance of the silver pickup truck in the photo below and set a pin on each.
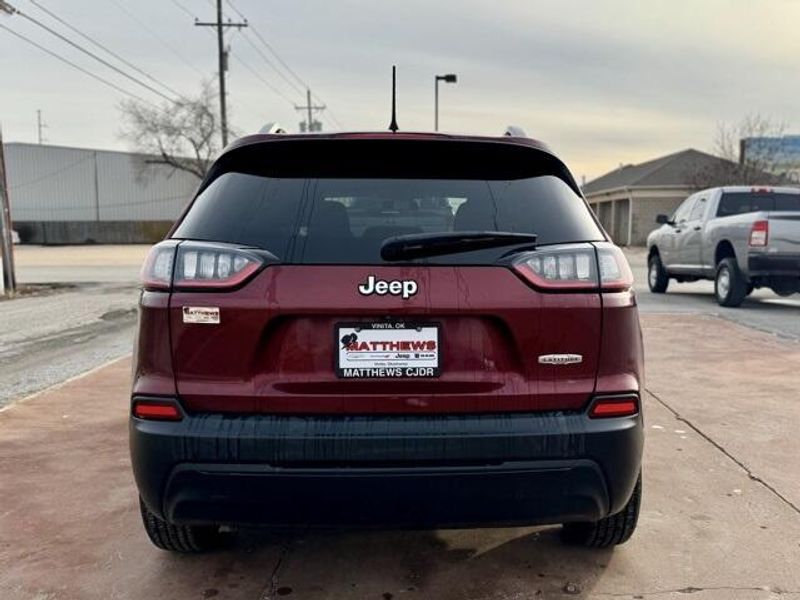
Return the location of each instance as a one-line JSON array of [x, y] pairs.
[[741, 237]]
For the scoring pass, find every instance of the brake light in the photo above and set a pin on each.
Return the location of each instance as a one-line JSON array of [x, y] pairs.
[[759, 234], [614, 406], [198, 265], [156, 410], [576, 267]]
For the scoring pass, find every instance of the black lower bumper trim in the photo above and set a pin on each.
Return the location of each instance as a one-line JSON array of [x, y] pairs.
[[509, 494], [404, 470], [766, 265]]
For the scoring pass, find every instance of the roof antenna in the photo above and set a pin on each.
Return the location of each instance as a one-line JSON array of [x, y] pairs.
[[393, 125]]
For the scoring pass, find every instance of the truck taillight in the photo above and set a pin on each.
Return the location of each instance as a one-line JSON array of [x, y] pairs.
[[759, 234], [575, 267], [198, 265]]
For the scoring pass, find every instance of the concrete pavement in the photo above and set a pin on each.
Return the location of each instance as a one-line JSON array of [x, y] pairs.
[[763, 309], [719, 518], [86, 321]]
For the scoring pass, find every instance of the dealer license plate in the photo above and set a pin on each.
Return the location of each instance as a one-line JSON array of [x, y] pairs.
[[387, 350]]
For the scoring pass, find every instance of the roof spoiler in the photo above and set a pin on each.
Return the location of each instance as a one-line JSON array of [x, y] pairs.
[[515, 131]]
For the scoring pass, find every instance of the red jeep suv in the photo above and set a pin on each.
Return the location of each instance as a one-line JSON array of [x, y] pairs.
[[387, 330]]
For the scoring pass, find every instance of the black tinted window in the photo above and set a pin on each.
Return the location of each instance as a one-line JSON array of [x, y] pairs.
[[787, 202], [347, 220], [737, 203], [246, 209], [351, 218]]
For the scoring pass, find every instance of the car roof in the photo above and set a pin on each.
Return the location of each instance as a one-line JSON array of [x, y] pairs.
[[733, 189], [260, 138]]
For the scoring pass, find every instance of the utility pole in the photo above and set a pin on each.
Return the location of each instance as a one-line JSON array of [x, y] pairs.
[[6, 243], [40, 125], [223, 64], [311, 124]]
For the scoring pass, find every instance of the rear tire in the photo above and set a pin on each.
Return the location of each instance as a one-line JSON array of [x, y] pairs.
[[180, 538], [730, 288], [657, 276], [610, 531]]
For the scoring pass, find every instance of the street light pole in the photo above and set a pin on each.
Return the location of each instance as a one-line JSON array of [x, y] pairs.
[[449, 78]]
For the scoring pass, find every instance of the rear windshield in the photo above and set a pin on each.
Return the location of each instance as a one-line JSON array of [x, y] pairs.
[[345, 221], [737, 203]]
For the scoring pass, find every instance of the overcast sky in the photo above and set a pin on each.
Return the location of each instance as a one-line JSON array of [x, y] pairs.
[[602, 82]]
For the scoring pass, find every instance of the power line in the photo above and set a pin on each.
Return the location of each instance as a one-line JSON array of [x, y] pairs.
[[186, 11], [261, 78], [304, 85], [183, 8], [236, 10], [163, 42], [90, 53], [291, 83], [72, 64], [105, 48]]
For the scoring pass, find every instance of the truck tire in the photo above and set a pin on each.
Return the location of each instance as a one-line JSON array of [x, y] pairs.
[[657, 276], [179, 538], [730, 288], [612, 530]]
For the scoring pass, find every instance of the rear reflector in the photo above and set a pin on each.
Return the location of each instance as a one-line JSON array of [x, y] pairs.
[[614, 406], [759, 234], [156, 411]]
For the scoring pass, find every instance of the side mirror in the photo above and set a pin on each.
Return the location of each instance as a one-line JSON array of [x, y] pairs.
[[662, 219]]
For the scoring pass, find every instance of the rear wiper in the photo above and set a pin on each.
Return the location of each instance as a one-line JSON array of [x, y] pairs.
[[407, 247]]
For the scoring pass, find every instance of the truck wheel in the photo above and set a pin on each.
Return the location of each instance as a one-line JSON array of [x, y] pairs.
[[730, 287], [657, 276], [610, 531], [179, 538]]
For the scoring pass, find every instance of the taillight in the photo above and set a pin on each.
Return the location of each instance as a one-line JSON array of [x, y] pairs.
[[157, 269], [576, 267], [615, 272], [759, 234], [614, 406], [198, 265], [156, 410]]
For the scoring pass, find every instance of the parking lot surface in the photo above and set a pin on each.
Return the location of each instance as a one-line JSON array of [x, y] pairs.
[[720, 517]]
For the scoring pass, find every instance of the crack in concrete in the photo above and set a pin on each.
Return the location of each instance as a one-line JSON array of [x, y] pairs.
[[725, 451], [693, 590], [271, 590]]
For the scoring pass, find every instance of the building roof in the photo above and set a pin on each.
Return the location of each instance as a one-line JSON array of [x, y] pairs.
[[678, 169]]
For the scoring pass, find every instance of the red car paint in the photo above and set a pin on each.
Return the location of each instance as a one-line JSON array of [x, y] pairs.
[[272, 351]]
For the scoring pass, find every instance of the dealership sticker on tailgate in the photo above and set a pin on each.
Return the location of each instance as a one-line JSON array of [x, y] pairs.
[[201, 314], [387, 350]]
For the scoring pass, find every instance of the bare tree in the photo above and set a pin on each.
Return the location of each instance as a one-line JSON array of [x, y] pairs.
[[184, 134], [751, 152]]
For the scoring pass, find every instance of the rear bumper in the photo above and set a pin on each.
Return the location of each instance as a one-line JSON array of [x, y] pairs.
[[773, 265], [405, 471]]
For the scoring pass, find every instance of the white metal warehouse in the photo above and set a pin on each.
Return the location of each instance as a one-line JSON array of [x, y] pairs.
[[61, 194]]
